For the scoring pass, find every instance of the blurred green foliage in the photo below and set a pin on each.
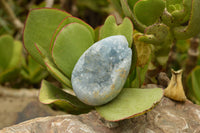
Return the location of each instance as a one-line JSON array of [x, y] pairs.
[[14, 67]]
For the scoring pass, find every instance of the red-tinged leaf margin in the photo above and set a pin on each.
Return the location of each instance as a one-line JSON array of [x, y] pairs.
[[61, 25], [23, 41]]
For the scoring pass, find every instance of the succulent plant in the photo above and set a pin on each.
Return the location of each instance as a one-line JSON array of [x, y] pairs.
[[57, 40], [162, 22], [10, 58]]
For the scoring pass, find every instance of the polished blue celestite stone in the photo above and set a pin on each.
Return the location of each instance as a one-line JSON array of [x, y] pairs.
[[101, 71]]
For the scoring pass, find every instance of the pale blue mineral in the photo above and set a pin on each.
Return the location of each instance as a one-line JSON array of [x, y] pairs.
[[101, 71]]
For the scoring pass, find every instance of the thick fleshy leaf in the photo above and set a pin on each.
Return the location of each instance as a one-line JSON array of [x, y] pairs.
[[12, 60], [128, 12], [173, 5], [33, 72], [193, 28], [193, 83], [129, 103], [71, 42], [52, 68], [131, 3], [110, 28], [155, 34], [67, 21], [6, 51], [67, 102], [55, 72], [116, 5], [39, 28], [13, 69], [149, 11], [17, 54], [179, 10], [96, 32], [143, 51], [132, 72], [9, 74]]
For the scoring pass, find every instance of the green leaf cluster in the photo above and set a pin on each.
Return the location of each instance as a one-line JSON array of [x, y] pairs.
[[13, 63], [56, 40], [10, 58], [193, 84], [161, 22]]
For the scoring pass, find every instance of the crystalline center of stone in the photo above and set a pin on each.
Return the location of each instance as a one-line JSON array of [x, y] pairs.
[[101, 71]]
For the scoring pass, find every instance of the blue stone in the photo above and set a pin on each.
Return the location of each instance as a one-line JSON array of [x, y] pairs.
[[100, 73]]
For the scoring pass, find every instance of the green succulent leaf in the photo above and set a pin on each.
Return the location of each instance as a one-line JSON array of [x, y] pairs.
[[140, 74], [193, 28], [96, 31], [67, 21], [128, 12], [117, 6], [156, 34], [39, 28], [33, 72], [173, 5], [110, 28], [143, 51], [9, 74], [129, 103], [17, 55], [160, 36], [6, 51], [149, 11], [71, 42], [193, 83], [10, 58], [52, 68], [132, 72], [132, 3], [50, 94], [55, 72]]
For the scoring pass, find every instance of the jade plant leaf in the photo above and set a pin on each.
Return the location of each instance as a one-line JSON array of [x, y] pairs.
[[39, 28], [128, 12], [67, 102], [159, 31], [143, 50], [173, 5], [131, 3], [117, 6], [52, 68], [10, 58], [149, 11], [71, 42], [55, 72], [67, 21], [33, 72], [193, 28], [17, 55], [6, 51], [110, 28], [193, 83], [179, 10], [129, 103]]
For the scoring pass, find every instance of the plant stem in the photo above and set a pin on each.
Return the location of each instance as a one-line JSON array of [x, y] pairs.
[[193, 54], [16, 22], [171, 57]]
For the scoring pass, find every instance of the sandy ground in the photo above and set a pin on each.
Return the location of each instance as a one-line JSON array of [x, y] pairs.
[[17, 105]]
